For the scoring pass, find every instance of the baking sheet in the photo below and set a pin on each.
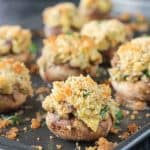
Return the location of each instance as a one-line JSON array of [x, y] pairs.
[[41, 136]]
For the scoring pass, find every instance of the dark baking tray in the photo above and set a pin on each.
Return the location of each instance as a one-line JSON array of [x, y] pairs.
[[26, 140], [27, 13]]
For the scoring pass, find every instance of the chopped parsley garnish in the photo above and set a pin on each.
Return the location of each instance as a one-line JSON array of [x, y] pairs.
[[103, 111], [125, 76], [86, 93], [147, 73], [15, 119], [119, 117], [33, 48], [69, 32]]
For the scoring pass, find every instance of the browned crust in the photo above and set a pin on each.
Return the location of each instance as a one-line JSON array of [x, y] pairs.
[[11, 102], [76, 130], [133, 95]]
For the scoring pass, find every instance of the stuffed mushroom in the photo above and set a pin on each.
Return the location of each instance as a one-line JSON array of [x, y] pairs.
[[60, 18], [130, 73], [15, 43], [94, 9], [108, 35], [80, 109], [15, 84], [68, 54]]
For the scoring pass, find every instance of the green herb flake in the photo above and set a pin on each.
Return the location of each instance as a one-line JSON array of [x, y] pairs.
[[147, 73], [69, 32], [125, 76], [15, 119], [86, 93], [119, 117], [103, 111], [33, 48]]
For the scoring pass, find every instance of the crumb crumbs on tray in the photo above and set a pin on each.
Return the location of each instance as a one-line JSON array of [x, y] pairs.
[[35, 123], [124, 135], [12, 133], [58, 146], [37, 147], [133, 128], [103, 144], [34, 69], [4, 123], [115, 130]]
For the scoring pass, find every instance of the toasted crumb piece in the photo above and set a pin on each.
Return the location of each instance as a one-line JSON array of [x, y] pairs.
[[132, 128], [4, 123], [132, 117], [42, 90], [124, 135], [37, 147], [58, 146], [12, 133], [114, 130], [35, 123], [103, 144], [126, 113], [34, 69], [91, 148], [25, 129], [51, 137], [38, 138], [135, 112]]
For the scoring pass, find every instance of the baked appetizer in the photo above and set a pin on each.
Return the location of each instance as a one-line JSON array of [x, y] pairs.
[[15, 84], [15, 43], [107, 34], [62, 17], [68, 54], [130, 73], [80, 109], [94, 9]]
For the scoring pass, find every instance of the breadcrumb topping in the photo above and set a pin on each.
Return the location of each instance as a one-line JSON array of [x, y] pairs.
[[73, 49], [14, 76], [133, 61], [84, 98], [101, 6], [106, 34], [63, 15], [14, 39]]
